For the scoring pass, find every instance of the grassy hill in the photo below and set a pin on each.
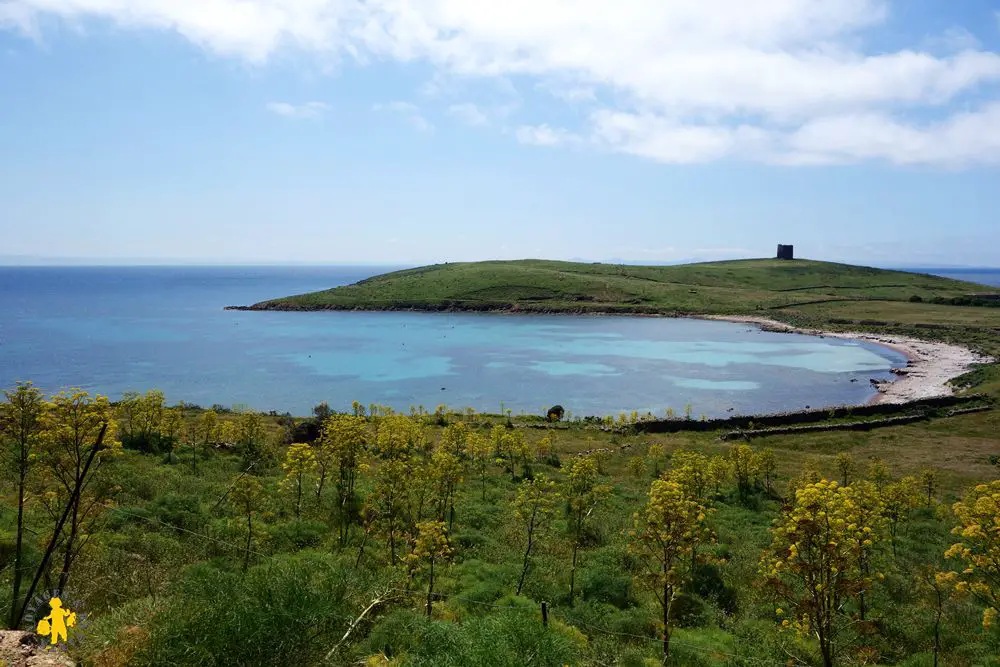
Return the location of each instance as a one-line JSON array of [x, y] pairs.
[[548, 286]]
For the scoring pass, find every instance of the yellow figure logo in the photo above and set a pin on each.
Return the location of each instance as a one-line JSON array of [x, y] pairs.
[[56, 624]]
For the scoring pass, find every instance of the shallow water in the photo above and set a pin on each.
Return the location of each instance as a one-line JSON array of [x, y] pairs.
[[118, 329]]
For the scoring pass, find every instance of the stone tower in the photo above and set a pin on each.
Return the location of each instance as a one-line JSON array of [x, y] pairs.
[[786, 252]]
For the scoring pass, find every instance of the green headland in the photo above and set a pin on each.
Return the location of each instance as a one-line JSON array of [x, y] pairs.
[[730, 287]]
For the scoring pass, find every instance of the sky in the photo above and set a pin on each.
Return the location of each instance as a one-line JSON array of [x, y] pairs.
[[417, 131]]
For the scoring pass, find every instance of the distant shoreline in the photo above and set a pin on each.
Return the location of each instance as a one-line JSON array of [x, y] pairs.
[[929, 371]]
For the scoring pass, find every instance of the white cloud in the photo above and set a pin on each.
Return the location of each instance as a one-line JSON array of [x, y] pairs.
[[469, 113], [299, 111], [665, 140], [954, 39], [962, 139], [410, 112], [569, 92], [691, 80], [543, 135], [479, 115]]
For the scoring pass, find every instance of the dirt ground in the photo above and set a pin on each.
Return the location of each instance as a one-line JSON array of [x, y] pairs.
[[23, 649]]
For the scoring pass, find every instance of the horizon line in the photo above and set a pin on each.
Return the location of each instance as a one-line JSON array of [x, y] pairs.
[[69, 262]]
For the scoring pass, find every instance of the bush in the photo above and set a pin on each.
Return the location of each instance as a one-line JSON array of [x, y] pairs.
[[478, 581], [307, 431], [289, 611], [502, 639], [916, 298], [707, 582], [180, 510], [689, 611], [298, 535], [606, 579]]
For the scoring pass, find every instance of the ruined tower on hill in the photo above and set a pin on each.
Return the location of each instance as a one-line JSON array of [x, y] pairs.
[[786, 252]]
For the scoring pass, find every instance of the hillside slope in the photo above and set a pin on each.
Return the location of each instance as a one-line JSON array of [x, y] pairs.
[[549, 286]]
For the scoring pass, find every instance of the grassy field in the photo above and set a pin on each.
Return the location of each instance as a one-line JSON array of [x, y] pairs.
[[162, 580], [717, 287]]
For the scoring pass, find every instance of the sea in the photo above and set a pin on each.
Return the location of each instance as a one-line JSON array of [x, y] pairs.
[[115, 329]]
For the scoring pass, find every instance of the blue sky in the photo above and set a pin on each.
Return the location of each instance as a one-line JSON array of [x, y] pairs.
[[412, 131]]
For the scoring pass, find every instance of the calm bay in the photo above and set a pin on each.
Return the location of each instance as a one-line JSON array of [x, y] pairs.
[[114, 329]]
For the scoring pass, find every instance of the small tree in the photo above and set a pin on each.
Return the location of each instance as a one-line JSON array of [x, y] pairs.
[[637, 467], [878, 473], [655, 453], [545, 446], [479, 450], [300, 462], [389, 500], [846, 468], [21, 425], [898, 501], [864, 513], [665, 533], [978, 546], [342, 446], [446, 475], [140, 417], [813, 564], [74, 423], [514, 448], [938, 588], [584, 494], [691, 471], [746, 466], [252, 437], [453, 438], [321, 411], [767, 465], [246, 496], [497, 434], [929, 483], [170, 431], [430, 547], [533, 509], [719, 472], [206, 434]]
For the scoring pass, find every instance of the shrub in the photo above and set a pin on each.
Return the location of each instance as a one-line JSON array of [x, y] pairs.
[[288, 611], [298, 535], [180, 510], [689, 611], [606, 579], [707, 582], [502, 639]]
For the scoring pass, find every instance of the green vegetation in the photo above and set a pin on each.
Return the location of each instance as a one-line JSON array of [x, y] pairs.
[[548, 286], [219, 537], [236, 538]]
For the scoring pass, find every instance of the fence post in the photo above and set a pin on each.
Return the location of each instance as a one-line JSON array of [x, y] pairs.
[[545, 614]]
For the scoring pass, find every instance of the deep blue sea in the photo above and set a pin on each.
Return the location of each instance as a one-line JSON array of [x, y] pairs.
[[982, 276], [114, 329]]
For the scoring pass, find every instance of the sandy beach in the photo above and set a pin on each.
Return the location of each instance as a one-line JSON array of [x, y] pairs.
[[931, 365]]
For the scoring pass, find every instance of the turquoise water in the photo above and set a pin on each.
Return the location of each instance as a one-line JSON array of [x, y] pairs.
[[118, 329]]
